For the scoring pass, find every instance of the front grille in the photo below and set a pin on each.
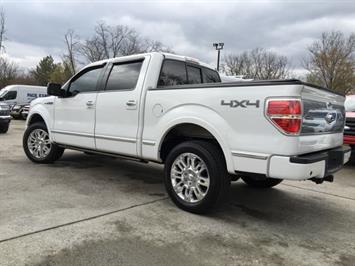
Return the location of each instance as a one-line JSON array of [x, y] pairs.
[[4, 112], [350, 122]]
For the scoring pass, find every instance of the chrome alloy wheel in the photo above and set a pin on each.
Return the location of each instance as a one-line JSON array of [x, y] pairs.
[[189, 177], [39, 144]]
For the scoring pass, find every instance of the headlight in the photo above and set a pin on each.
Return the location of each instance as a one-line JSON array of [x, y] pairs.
[[17, 107]]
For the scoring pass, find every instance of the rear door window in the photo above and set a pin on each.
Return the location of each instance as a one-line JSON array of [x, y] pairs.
[[172, 73], [124, 76]]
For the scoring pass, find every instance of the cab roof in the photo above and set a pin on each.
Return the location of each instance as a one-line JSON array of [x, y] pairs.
[[154, 54]]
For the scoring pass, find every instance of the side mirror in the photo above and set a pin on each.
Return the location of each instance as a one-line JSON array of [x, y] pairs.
[[55, 89]]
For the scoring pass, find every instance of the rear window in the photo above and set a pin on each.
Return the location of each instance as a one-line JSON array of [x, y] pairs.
[[124, 76], [172, 73], [176, 72]]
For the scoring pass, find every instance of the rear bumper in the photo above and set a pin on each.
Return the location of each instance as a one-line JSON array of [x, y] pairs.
[[5, 119], [313, 165]]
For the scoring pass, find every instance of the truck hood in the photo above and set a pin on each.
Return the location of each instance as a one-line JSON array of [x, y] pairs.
[[350, 114]]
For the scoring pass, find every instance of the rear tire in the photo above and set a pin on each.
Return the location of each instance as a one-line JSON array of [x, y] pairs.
[[261, 183], [4, 128], [196, 177], [37, 145]]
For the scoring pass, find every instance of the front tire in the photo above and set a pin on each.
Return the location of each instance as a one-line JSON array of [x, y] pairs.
[[196, 176], [261, 183], [37, 145]]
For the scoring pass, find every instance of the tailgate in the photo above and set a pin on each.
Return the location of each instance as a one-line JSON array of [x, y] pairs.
[[323, 112]]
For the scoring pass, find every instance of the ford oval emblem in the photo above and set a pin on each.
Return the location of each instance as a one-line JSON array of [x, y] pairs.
[[330, 117]]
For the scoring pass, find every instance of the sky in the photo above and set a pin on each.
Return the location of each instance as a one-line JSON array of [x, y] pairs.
[[36, 28]]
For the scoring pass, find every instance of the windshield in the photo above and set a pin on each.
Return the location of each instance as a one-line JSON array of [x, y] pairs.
[[350, 104], [2, 93]]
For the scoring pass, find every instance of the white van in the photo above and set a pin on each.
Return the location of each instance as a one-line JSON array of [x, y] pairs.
[[21, 94]]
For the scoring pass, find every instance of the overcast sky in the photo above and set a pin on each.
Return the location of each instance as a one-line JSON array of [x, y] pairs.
[[36, 28]]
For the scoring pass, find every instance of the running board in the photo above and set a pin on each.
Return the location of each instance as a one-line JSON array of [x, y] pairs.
[[109, 154]]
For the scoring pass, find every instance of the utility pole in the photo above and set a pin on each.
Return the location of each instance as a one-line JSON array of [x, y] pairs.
[[219, 47]]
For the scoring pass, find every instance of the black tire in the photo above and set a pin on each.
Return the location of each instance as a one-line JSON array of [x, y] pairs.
[[15, 117], [219, 178], [4, 128], [261, 183], [21, 116], [55, 151]]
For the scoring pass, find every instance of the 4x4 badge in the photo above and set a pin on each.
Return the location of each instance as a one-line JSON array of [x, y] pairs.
[[242, 103]]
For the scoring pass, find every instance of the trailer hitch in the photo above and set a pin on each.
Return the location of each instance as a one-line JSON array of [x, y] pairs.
[[328, 178]]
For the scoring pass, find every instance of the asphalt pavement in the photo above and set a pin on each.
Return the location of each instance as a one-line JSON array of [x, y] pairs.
[[93, 210]]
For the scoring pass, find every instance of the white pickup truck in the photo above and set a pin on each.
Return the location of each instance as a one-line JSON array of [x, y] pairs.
[[174, 110]]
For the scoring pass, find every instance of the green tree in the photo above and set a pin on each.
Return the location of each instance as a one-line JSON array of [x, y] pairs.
[[43, 71], [331, 63], [61, 73]]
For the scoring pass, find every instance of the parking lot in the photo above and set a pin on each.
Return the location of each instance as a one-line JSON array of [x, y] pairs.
[[93, 210]]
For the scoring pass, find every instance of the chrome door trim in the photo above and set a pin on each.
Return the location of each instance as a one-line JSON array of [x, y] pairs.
[[122, 139], [149, 142], [77, 134], [251, 156], [130, 140]]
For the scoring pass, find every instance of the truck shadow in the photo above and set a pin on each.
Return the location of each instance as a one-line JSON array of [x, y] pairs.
[[282, 206], [291, 211]]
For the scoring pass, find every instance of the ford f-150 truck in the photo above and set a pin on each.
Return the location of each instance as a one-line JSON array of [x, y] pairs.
[[175, 110]]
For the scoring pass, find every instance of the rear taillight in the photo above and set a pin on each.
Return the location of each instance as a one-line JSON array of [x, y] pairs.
[[285, 114]]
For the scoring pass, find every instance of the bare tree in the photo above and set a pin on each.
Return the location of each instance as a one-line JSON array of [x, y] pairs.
[[112, 41], [72, 43], [2, 30], [105, 43], [332, 62], [8, 72], [257, 64]]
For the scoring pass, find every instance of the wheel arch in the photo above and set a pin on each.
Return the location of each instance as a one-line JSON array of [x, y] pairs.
[[192, 130], [36, 116]]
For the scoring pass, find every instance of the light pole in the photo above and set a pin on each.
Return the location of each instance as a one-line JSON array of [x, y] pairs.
[[219, 47]]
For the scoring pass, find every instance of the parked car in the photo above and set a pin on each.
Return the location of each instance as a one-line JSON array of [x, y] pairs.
[[174, 110], [21, 94], [25, 111], [349, 131], [16, 111], [5, 117]]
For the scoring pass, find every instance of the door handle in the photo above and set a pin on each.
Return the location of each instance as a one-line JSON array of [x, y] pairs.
[[131, 103], [89, 103]]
